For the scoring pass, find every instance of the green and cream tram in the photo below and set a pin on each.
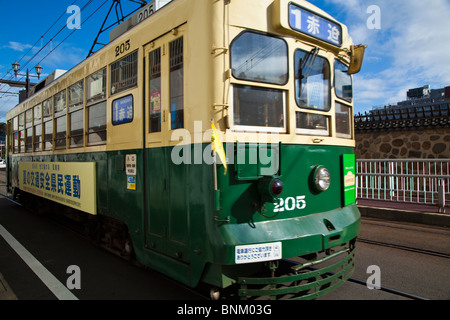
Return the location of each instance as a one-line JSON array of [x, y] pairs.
[[124, 139]]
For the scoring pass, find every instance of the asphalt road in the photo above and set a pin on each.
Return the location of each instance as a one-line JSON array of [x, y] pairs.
[[415, 273], [103, 276]]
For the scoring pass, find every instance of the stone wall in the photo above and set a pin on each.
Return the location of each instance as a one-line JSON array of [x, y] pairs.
[[432, 143]]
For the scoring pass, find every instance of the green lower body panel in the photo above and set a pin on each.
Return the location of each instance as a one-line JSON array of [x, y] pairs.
[[301, 284], [186, 226], [299, 236]]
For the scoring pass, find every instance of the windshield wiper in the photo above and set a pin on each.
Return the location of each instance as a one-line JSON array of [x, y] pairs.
[[307, 63]]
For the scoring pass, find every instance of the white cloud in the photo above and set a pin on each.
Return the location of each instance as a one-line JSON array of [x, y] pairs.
[[17, 46], [63, 56], [410, 50]]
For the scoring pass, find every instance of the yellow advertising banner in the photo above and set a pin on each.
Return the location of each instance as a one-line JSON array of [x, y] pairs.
[[70, 183]]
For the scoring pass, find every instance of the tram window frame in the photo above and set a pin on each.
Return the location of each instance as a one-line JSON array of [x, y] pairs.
[[76, 130], [340, 73], [16, 133], [311, 124], [76, 95], [270, 95], [96, 96], [76, 109], [325, 96], [29, 130], [343, 121], [21, 132], [96, 90], [60, 116], [47, 124], [155, 91], [124, 73], [94, 128], [37, 115], [261, 77], [176, 83]]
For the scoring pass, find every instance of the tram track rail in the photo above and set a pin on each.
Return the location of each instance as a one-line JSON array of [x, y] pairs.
[[435, 230], [364, 283], [390, 290], [405, 248]]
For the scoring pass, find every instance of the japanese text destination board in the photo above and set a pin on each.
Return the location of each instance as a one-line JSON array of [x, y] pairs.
[[70, 183], [314, 25]]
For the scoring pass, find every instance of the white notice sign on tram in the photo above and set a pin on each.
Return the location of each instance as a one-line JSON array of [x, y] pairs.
[[258, 252], [130, 164]]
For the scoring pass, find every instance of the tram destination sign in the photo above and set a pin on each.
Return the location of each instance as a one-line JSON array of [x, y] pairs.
[[314, 25], [122, 110]]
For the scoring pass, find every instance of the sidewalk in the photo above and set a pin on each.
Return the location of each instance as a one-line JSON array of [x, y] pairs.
[[406, 212]]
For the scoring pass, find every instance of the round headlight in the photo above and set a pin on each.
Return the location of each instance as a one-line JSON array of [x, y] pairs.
[[322, 179]]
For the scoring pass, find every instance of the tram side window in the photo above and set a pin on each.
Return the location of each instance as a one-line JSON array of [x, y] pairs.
[[29, 130], [312, 81], [97, 124], [47, 114], [96, 111], [76, 95], [22, 132], [155, 91], [96, 87], [176, 84], [76, 114], [76, 128], [16, 134], [342, 81], [37, 111], [124, 73], [343, 121], [60, 120]]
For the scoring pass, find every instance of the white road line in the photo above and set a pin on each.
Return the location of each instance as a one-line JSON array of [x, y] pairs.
[[55, 286]]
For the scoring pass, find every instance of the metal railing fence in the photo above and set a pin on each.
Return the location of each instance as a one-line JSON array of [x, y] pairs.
[[416, 181]]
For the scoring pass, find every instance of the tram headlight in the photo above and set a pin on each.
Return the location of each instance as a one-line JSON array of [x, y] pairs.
[[321, 178]]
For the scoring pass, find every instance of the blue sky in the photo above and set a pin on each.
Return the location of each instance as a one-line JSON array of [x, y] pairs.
[[409, 44]]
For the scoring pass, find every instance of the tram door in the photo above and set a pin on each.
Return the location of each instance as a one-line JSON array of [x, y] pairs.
[[167, 213]]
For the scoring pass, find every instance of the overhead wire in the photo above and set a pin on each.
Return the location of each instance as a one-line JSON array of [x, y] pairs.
[[40, 39], [73, 31], [51, 40]]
